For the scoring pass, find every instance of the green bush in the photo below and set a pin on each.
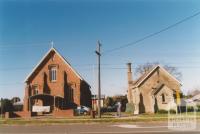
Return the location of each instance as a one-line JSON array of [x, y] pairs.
[[162, 111], [172, 111], [190, 109], [198, 108]]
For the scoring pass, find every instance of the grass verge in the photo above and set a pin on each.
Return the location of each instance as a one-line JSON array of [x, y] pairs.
[[87, 119]]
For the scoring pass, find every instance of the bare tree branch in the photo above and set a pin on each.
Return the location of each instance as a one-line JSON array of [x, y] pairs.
[[145, 68]]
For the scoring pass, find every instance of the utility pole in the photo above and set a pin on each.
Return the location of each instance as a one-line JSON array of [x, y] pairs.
[[98, 52], [1, 108]]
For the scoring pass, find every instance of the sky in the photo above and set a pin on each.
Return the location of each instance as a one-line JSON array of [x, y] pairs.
[[28, 26]]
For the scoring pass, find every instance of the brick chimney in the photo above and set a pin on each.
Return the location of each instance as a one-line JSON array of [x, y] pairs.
[[130, 80]]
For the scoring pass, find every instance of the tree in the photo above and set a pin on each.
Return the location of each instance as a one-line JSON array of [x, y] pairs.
[[121, 98], [193, 92], [16, 106], [15, 99], [109, 101], [145, 68], [6, 106], [112, 101]]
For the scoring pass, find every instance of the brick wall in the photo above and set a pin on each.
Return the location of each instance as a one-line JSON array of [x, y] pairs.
[[66, 78], [63, 113], [19, 114]]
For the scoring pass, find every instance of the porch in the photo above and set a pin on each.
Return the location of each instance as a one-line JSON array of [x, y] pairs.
[[45, 104]]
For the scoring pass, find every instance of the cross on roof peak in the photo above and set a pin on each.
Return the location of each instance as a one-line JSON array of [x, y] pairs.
[[52, 44]]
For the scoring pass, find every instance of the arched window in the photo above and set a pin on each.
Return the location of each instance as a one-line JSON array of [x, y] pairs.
[[35, 89], [163, 98]]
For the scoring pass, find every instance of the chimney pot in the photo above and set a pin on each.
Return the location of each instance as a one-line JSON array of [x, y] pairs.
[[129, 67]]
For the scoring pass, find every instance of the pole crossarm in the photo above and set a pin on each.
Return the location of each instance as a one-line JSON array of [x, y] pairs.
[[98, 53]]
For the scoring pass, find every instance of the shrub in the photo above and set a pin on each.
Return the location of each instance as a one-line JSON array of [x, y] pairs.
[[190, 109], [162, 111], [198, 108], [172, 111]]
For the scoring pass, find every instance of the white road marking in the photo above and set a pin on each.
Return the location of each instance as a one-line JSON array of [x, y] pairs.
[[135, 126], [126, 126], [138, 132]]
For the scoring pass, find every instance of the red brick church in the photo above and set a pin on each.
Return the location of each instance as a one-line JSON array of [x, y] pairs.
[[54, 88]]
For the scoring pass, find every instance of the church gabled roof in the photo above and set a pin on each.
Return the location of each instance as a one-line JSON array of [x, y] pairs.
[[145, 76], [64, 60]]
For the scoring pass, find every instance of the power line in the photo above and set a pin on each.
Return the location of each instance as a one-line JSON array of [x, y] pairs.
[[25, 44], [104, 68], [21, 68], [11, 84], [85, 66], [152, 34]]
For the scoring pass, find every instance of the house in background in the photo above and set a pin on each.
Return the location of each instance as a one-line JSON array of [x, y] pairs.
[[152, 91], [54, 88], [193, 101]]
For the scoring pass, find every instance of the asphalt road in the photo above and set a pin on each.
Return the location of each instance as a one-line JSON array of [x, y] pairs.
[[123, 128]]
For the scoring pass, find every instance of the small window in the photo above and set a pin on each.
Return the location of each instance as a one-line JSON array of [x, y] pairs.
[[53, 74], [163, 98]]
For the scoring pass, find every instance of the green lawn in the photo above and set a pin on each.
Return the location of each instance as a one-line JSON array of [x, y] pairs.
[[106, 118]]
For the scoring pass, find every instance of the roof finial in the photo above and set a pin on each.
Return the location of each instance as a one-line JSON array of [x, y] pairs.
[[52, 44]]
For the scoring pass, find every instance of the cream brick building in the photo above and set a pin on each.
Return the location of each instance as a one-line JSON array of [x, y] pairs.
[[152, 91]]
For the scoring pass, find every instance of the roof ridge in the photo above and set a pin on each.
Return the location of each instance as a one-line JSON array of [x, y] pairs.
[[144, 76], [63, 58]]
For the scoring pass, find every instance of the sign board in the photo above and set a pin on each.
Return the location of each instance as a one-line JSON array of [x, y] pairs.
[[182, 119], [41, 109]]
